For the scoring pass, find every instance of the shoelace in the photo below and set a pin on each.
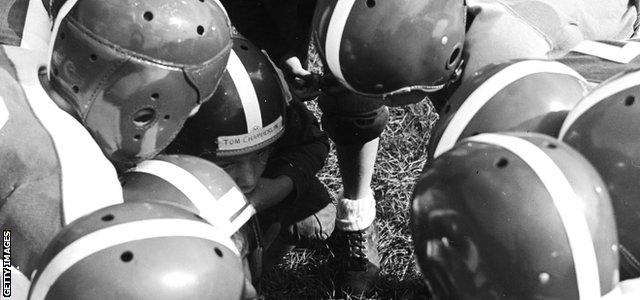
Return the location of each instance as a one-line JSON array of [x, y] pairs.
[[354, 249]]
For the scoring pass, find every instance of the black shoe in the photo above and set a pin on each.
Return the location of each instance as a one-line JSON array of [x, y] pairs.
[[357, 260]]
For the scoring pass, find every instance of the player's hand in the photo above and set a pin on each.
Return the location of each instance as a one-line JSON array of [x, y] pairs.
[[269, 192], [303, 84]]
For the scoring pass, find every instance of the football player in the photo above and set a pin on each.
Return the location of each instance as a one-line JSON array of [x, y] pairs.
[[139, 251], [199, 186], [270, 144], [515, 216], [496, 31], [602, 128], [119, 81]]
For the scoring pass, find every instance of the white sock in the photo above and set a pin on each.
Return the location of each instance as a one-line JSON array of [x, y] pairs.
[[358, 214]]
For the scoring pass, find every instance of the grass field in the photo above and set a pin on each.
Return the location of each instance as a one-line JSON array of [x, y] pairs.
[[304, 273]]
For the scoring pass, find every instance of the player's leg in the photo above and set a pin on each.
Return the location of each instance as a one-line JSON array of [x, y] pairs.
[[355, 123]]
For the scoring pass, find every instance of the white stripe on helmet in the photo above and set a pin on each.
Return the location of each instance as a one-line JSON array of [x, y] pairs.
[[4, 113], [235, 204], [216, 212], [567, 204], [478, 98], [603, 91], [246, 92], [333, 40], [120, 234]]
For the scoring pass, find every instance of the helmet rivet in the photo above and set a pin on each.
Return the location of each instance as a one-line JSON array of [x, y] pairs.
[[614, 248], [126, 256], [544, 277], [107, 218], [629, 100], [502, 163], [148, 15], [444, 40], [371, 3]]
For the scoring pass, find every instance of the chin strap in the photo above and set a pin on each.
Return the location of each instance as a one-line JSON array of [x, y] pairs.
[[455, 76]]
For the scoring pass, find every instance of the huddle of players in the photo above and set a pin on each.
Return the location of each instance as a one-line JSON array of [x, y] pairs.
[[516, 215]]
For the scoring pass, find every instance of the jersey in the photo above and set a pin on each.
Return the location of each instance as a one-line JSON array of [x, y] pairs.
[[501, 30], [24, 23], [51, 170]]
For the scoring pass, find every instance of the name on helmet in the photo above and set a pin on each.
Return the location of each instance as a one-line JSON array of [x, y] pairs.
[[255, 137]]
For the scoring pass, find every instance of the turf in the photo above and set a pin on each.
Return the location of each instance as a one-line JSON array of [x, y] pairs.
[[306, 274]]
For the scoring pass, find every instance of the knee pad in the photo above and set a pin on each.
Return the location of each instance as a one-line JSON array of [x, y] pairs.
[[351, 119]]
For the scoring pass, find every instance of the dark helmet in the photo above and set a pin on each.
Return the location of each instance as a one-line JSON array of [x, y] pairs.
[[386, 48], [605, 128], [134, 70], [526, 95], [514, 216], [191, 183], [139, 251], [246, 113]]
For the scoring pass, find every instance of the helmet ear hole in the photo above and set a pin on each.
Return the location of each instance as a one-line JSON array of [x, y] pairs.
[[144, 117], [371, 3], [454, 58]]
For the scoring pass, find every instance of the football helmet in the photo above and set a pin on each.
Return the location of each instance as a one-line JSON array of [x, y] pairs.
[[134, 70], [139, 251], [529, 95], [191, 183], [604, 127], [386, 48], [246, 113], [514, 216]]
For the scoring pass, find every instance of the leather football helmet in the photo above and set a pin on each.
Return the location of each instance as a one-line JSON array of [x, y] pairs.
[[246, 113], [514, 216], [605, 128], [386, 48], [529, 96], [139, 251], [191, 183], [134, 70]]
